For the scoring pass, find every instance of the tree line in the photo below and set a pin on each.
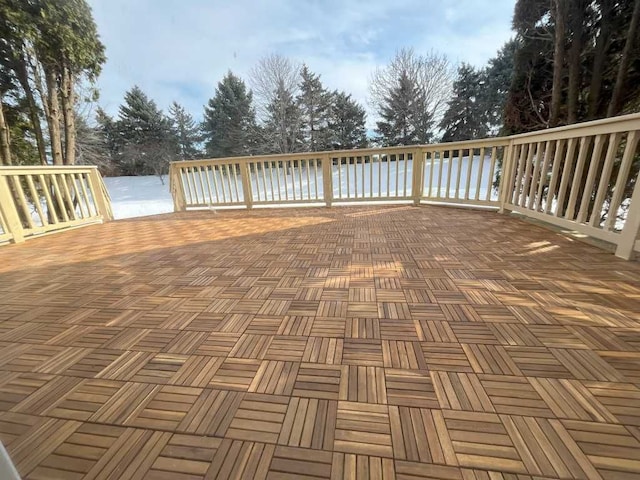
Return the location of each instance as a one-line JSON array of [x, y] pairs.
[[569, 61]]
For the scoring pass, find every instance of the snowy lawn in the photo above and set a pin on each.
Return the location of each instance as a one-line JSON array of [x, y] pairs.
[[139, 196]]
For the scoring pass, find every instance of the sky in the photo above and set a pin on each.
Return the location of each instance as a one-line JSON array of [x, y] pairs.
[[180, 49]]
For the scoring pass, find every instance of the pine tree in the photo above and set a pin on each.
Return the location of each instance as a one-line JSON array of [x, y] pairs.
[[497, 78], [314, 103], [185, 130], [147, 145], [398, 112], [282, 127], [465, 118], [229, 120], [346, 125]]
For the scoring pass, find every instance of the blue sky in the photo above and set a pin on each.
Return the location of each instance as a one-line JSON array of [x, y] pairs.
[[180, 49]]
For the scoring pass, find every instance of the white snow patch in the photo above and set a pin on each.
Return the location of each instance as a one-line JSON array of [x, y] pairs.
[[139, 196]]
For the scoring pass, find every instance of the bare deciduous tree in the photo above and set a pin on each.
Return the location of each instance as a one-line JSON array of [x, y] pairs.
[[275, 82], [431, 76]]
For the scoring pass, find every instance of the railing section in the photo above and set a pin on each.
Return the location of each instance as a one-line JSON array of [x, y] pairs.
[[38, 200], [582, 177], [463, 172]]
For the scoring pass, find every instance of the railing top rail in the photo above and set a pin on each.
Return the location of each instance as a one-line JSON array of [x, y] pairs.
[[622, 123], [359, 152], [20, 169], [462, 145]]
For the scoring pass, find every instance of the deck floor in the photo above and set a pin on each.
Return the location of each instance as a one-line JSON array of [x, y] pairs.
[[356, 342]]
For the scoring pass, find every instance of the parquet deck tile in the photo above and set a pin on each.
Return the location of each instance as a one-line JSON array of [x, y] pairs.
[[348, 343]]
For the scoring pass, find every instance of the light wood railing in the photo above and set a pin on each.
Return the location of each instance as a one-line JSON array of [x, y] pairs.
[[39, 200], [581, 177]]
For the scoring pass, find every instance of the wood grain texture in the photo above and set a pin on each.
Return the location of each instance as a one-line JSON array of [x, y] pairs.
[[365, 342]]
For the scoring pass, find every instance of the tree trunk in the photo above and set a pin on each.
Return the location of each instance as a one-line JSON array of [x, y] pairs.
[[577, 27], [23, 77], [53, 116], [597, 71], [560, 17], [5, 139], [69, 117], [615, 105]]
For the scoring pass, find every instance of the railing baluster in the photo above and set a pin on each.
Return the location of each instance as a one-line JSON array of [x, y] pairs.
[[58, 197], [523, 152], [201, 182], [82, 203], [397, 157], [577, 177], [214, 179], [534, 175], [208, 182], [83, 182], [623, 173], [362, 162], [458, 171], [315, 178], [355, 176], [440, 170], [555, 172], [268, 192], [379, 176], [308, 170], [605, 178], [269, 167], [531, 158], [300, 178], [566, 174], [480, 174], [594, 164], [406, 162], [51, 211], [467, 188], [543, 175], [492, 169], [36, 200]]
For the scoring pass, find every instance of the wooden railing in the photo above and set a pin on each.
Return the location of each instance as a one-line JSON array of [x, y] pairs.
[[38, 200], [582, 177]]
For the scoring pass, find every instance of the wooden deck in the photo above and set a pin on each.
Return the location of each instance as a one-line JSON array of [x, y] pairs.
[[362, 342]]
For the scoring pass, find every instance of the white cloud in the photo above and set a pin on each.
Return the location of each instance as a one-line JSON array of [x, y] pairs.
[[179, 50]]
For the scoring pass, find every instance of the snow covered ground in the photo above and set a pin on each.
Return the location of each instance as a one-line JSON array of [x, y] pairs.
[[139, 196]]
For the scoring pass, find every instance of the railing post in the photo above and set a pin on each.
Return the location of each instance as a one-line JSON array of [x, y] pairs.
[[245, 176], [417, 179], [9, 212], [177, 189], [327, 179], [99, 197], [631, 228], [505, 178]]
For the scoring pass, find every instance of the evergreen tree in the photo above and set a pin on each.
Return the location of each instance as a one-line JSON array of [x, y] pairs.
[[314, 103], [50, 47], [410, 96], [229, 120], [466, 117], [185, 130], [282, 128], [144, 133], [346, 125], [399, 111], [497, 78]]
